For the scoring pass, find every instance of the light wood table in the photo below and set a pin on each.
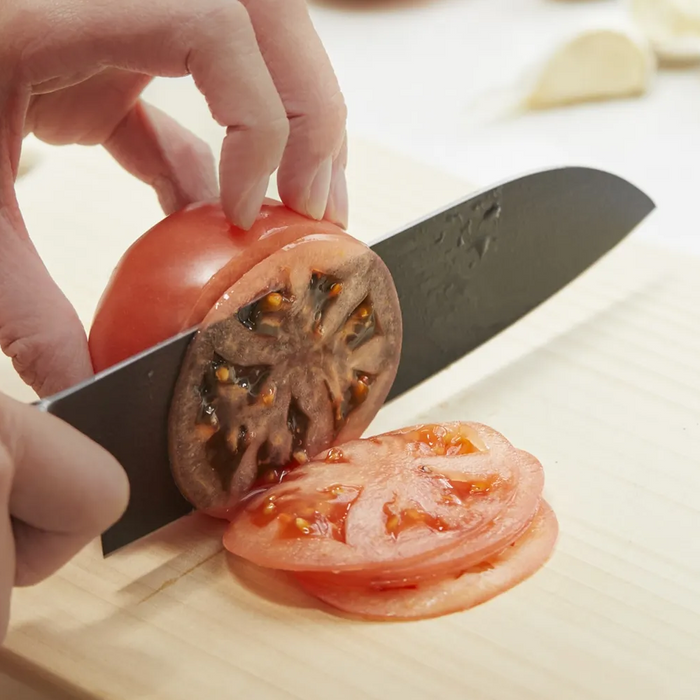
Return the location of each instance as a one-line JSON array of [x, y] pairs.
[[602, 383]]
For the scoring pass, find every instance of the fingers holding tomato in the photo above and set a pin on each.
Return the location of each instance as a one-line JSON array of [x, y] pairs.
[[170, 278], [298, 347]]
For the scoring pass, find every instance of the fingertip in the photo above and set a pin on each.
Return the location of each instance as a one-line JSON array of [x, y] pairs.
[[337, 211], [108, 489], [117, 490], [305, 189], [318, 191], [242, 211]]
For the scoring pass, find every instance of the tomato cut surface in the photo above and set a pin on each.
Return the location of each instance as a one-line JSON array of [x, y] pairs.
[[403, 504], [170, 278], [509, 523], [469, 587], [298, 354]]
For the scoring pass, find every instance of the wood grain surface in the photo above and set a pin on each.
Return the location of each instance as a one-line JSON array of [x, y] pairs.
[[602, 383]]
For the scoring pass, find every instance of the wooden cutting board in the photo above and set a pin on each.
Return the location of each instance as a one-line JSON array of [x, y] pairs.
[[602, 383]]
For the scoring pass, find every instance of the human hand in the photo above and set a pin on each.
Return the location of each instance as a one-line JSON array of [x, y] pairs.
[[58, 491], [73, 71]]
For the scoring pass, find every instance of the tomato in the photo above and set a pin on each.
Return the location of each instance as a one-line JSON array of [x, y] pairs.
[[298, 344], [298, 354], [453, 593], [169, 279], [299, 340], [413, 503], [504, 528]]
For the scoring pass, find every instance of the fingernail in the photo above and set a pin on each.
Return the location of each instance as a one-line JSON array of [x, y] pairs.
[[337, 210], [249, 206], [318, 192]]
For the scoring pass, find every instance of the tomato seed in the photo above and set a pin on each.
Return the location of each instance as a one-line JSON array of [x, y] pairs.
[[335, 455], [360, 391], [272, 302], [301, 457], [268, 395], [223, 374], [303, 525]]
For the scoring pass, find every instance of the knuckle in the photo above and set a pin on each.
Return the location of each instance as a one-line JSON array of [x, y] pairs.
[[27, 356], [268, 117], [337, 111], [40, 356], [328, 109], [269, 133], [275, 136], [217, 18], [321, 124], [277, 127]]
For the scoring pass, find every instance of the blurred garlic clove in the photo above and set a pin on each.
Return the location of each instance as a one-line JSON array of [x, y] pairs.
[[594, 65], [671, 26]]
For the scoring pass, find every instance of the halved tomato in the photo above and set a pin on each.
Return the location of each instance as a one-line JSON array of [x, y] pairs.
[[466, 589], [169, 279], [412, 503], [299, 343]]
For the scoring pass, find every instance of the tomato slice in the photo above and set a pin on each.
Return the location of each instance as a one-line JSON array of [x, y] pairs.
[[169, 279], [505, 527], [468, 588], [298, 354], [389, 504]]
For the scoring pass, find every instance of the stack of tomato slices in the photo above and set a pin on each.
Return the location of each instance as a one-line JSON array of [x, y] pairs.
[[414, 523], [410, 524]]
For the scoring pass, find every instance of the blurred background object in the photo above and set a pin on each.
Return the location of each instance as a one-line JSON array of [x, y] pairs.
[[595, 65], [672, 26], [441, 81]]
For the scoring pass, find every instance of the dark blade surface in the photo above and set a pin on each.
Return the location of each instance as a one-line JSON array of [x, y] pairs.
[[463, 275], [468, 272], [125, 409]]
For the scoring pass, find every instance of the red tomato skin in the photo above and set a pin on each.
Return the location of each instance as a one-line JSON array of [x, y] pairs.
[[171, 276]]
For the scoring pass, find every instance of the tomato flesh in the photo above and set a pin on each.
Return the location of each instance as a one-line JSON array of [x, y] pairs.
[[421, 505], [469, 587], [300, 353], [411, 524]]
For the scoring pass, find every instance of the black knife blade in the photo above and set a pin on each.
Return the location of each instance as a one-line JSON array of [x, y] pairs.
[[463, 274], [125, 410], [469, 271]]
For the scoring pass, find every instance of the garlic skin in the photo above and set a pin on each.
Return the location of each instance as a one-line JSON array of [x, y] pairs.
[[595, 65], [671, 26]]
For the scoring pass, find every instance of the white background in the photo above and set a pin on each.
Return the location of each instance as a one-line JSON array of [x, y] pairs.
[[435, 80], [430, 79]]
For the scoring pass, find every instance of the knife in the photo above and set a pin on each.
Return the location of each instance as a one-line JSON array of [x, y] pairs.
[[463, 274]]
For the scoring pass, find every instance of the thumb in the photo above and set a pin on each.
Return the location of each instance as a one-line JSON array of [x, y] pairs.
[[39, 328], [58, 491]]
